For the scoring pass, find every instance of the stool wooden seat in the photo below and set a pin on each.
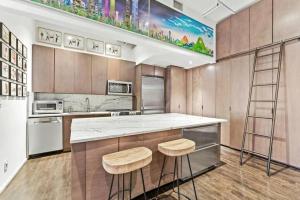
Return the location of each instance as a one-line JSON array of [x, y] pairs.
[[126, 161], [178, 147]]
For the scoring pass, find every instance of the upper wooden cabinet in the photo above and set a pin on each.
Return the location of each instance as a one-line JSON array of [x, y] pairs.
[[240, 32], [42, 69], [159, 71], [120, 70], [113, 67], [261, 17], [82, 73], [223, 38], [64, 71], [148, 70], [99, 75]]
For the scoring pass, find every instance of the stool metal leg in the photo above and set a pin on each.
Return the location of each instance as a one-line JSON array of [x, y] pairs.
[[123, 185], [188, 158], [177, 171], [161, 175], [130, 185], [111, 185], [144, 188]]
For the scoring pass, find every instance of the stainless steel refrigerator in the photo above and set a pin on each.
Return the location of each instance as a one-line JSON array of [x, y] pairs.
[[153, 95]]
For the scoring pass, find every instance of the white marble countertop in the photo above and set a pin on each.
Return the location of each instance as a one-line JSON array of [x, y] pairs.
[[92, 129]]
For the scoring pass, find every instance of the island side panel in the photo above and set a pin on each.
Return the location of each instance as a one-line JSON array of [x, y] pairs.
[[78, 169], [97, 180]]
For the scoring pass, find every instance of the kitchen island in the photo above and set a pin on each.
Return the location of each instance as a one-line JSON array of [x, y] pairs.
[[92, 138]]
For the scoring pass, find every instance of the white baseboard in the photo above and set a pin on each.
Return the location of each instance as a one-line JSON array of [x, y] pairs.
[[10, 178]]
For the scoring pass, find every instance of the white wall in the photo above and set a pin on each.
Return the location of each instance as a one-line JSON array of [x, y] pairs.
[[13, 111]]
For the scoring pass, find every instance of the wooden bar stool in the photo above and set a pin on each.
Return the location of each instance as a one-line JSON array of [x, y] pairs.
[[127, 161], [177, 148]]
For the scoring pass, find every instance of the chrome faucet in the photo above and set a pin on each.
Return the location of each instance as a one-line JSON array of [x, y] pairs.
[[88, 107]]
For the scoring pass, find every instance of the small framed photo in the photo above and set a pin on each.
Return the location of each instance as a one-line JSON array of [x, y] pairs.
[[24, 91], [19, 61], [25, 51], [19, 91], [113, 50], [13, 41], [4, 51], [49, 36], [24, 78], [19, 76], [24, 65], [13, 57], [73, 41], [19, 46], [4, 88], [4, 69], [4, 33], [95, 46], [13, 89], [13, 73]]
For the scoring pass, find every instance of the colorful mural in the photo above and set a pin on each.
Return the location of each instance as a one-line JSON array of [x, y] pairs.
[[160, 22]]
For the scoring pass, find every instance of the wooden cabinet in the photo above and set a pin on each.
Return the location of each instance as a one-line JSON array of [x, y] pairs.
[[208, 88], [127, 71], [176, 90], [223, 38], [113, 67], [42, 69], [197, 92], [64, 71], [159, 71], [240, 32], [189, 91], [99, 75], [261, 19], [82, 73], [148, 70]]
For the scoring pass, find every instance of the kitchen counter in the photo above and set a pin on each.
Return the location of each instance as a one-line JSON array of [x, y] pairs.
[[69, 114], [85, 130]]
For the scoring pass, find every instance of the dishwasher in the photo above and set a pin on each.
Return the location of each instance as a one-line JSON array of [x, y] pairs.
[[207, 153], [44, 135]]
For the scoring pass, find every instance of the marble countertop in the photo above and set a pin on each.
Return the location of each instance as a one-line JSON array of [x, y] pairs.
[[92, 129], [69, 114]]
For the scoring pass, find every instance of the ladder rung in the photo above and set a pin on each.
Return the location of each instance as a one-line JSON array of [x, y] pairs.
[[263, 101], [269, 54], [260, 117], [261, 85], [266, 69], [255, 153], [260, 135]]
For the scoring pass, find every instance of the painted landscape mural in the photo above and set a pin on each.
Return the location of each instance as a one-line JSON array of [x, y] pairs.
[[160, 22]]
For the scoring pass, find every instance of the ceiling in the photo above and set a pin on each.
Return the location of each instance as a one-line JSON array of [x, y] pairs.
[[216, 10]]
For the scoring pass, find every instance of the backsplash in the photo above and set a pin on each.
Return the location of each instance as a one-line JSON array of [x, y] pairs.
[[77, 102]]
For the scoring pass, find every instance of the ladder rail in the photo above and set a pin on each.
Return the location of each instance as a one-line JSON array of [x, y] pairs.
[[275, 109]]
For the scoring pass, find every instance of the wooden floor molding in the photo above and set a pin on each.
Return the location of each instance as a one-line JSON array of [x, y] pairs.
[[48, 178]]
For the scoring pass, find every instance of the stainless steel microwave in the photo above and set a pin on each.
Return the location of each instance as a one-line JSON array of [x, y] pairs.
[[119, 88], [48, 107]]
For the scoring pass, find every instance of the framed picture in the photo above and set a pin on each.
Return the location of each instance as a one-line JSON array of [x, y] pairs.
[[24, 51], [4, 33], [13, 73], [24, 78], [19, 46], [19, 76], [73, 41], [24, 91], [4, 88], [19, 91], [24, 65], [13, 41], [49, 36], [95, 46], [19, 61], [13, 89], [4, 51], [13, 57], [113, 50], [4, 70]]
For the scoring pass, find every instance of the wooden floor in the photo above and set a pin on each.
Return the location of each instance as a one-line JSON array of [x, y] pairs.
[[48, 178]]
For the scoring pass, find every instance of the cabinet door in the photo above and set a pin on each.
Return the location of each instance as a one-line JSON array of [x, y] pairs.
[[99, 75], [127, 71], [223, 98], [64, 71], [113, 67], [189, 91], [42, 69], [148, 70], [223, 38], [197, 92], [239, 93], [208, 88], [83, 73], [178, 90], [240, 32], [159, 71]]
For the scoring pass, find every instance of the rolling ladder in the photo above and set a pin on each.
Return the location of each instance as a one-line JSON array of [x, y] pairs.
[[274, 85]]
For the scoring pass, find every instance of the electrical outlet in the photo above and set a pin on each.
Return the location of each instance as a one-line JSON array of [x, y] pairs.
[[5, 166]]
